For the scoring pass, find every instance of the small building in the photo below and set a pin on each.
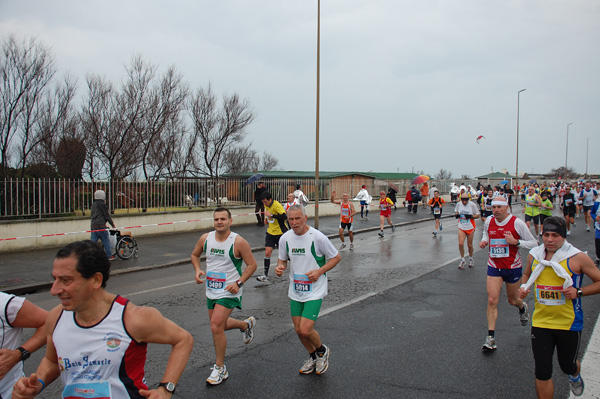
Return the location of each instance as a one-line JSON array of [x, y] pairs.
[[497, 179]]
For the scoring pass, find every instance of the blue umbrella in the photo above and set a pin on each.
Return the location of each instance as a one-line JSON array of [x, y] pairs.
[[533, 181], [504, 182], [254, 178]]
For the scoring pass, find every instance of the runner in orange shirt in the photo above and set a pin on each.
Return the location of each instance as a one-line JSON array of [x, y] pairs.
[[347, 213], [436, 204]]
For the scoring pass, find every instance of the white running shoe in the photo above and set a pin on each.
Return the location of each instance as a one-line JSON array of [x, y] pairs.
[[471, 262], [524, 317], [249, 332], [351, 246], [587, 228], [308, 366], [577, 386], [322, 363], [489, 344], [380, 234], [263, 279], [218, 375], [342, 246], [394, 229], [462, 264], [434, 232], [568, 233]]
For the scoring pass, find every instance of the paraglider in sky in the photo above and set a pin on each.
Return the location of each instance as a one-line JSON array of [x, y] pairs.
[[479, 138]]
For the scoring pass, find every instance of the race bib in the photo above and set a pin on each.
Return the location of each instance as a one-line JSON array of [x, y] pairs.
[[488, 207], [92, 390], [498, 248], [383, 207], [216, 281], [568, 202], [436, 211], [302, 283], [463, 220], [549, 295]]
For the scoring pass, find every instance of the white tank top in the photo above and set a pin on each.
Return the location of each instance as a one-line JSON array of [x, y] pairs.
[[222, 267], [10, 338], [102, 360]]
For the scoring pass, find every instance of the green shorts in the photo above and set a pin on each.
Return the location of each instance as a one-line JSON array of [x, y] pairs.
[[309, 310], [229, 303]]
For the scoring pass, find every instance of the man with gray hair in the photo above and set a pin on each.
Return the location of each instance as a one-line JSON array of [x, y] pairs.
[[101, 216], [505, 233], [310, 255]]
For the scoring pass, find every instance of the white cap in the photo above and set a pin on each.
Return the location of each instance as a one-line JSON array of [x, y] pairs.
[[100, 194]]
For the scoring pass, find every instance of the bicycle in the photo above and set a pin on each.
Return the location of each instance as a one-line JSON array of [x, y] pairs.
[[126, 246]]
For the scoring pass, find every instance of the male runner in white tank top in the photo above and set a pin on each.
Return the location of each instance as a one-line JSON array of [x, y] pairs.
[[225, 252], [96, 341]]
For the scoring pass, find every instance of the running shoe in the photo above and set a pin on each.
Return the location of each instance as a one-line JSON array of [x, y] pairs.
[[540, 233], [394, 229], [434, 232], [463, 263], [471, 262], [577, 385], [524, 317], [574, 224], [308, 366], [587, 228], [342, 246], [366, 218], [249, 332], [218, 375], [112, 258], [568, 233], [440, 226], [263, 279], [351, 247], [380, 234], [322, 363], [489, 344]]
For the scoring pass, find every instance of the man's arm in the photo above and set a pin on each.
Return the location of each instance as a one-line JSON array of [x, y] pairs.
[[29, 316], [333, 200], [243, 250], [586, 266], [526, 273], [486, 238], [148, 325], [47, 370], [196, 253], [352, 210], [527, 240]]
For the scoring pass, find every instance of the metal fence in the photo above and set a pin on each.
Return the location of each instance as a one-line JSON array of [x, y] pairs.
[[42, 198]]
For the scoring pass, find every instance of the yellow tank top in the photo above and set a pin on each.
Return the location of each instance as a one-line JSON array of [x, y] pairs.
[[552, 309], [529, 208]]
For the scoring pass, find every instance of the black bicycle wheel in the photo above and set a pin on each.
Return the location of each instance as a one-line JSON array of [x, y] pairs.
[[126, 247]]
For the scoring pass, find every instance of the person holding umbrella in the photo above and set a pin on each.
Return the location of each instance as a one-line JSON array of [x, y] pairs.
[[392, 193], [259, 208]]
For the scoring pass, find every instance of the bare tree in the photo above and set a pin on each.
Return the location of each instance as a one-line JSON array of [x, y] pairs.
[[563, 173], [162, 107], [107, 119], [443, 174], [268, 162], [26, 68], [214, 131]]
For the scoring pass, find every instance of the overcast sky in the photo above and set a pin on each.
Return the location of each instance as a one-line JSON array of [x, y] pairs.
[[405, 85]]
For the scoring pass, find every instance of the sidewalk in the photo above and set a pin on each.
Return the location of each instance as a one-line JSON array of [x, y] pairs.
[[29, 271]]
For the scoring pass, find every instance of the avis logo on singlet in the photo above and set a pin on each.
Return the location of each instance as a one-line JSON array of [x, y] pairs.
[[298, 251], [217, 252]]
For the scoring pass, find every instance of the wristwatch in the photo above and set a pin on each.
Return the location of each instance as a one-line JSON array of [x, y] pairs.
[[168, 386], [579, 293], [24, 353], [239, 283], [518, 244]]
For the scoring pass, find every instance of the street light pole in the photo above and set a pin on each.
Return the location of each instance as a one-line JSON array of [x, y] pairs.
[[317, 127], [587, 153], [517, 166], [567, 149]]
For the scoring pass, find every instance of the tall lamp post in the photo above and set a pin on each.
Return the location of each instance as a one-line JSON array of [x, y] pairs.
[[317, 127], [567, 150], [587, 152], [517, 166]]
